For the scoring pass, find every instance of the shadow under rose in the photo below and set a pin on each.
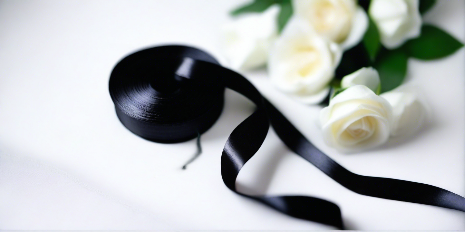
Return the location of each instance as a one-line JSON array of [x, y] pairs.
[[406, 139]]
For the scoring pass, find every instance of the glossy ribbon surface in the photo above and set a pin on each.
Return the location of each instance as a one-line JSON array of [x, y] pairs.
[[170, 94]]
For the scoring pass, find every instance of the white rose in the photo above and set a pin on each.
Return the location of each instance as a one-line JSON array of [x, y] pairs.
[[341, 21], [356, 119], [302, 63], [246, 41], [368, 77], [397, 20], [409, 112]]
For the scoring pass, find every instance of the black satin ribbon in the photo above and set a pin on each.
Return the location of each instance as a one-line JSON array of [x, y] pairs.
[[170, 94]]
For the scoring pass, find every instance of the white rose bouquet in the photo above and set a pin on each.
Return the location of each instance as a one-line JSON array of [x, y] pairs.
[[350, 55]]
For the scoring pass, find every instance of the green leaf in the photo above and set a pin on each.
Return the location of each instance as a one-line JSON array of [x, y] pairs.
[[392, 68], [284, 14], [433, 43], [426, 5], [371, 40], [336, 91], [378, 90], [254, 7], [258, 6], [353, 60], [335, 83]]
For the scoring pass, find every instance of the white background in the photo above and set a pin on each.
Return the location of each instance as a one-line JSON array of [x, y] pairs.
[[66, 162]]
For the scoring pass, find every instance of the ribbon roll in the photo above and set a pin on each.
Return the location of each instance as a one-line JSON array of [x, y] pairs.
[[171, 94]]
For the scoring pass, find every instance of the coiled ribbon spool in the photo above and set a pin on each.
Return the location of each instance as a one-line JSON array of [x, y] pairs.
[[170, 94]]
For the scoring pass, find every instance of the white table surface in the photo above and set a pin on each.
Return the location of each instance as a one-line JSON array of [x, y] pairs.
[[66, 162]]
